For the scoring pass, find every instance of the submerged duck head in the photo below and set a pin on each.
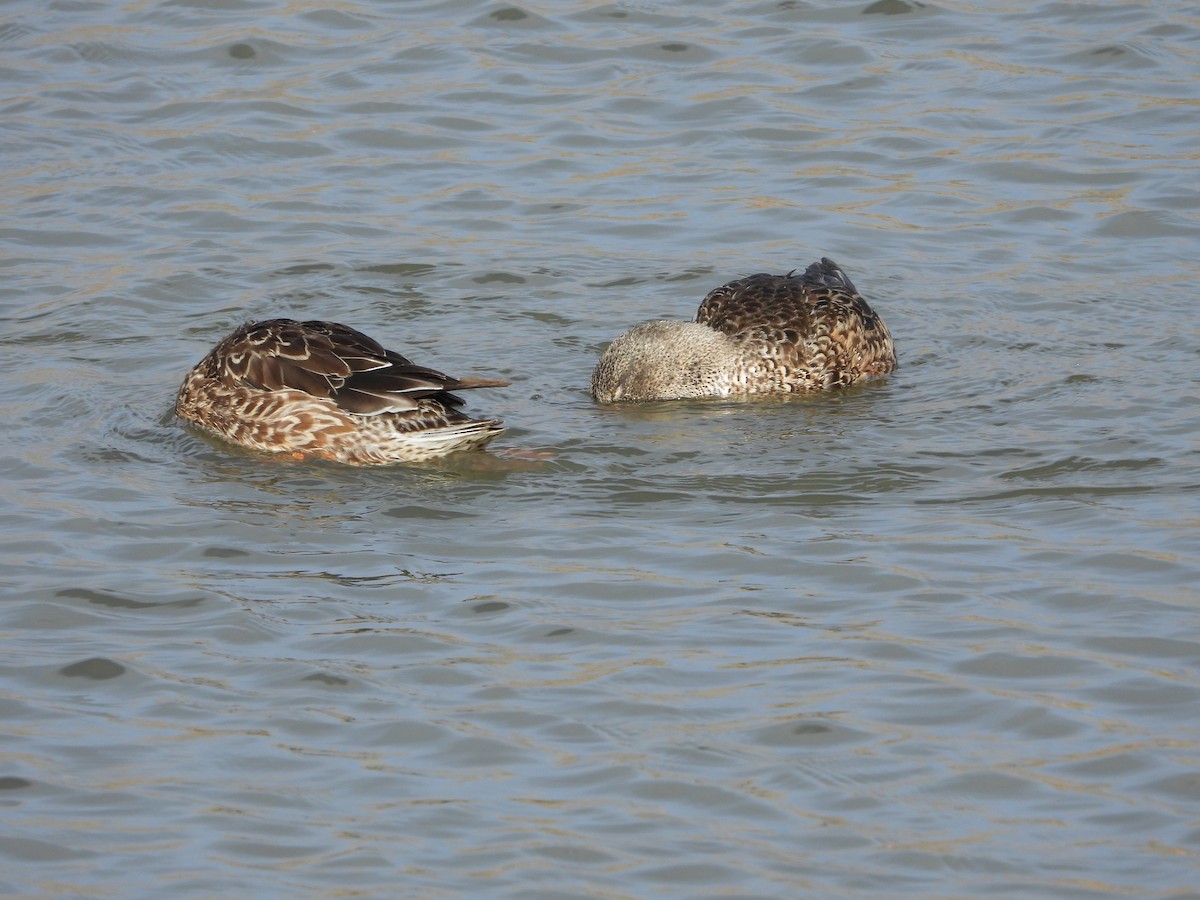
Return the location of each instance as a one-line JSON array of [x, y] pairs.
[[664, 360]]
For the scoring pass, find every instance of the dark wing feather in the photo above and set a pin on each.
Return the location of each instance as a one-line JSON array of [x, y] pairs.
[[327, 359], [826, 273]]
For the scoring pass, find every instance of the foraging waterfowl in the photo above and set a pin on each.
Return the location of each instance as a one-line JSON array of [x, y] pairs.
[[757, 335], [320, 389]]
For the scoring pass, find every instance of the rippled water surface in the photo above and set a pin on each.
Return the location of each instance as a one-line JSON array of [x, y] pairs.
[[936, 636]]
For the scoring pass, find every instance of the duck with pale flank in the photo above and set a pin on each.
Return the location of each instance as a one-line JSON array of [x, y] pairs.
[[763, 334], [323, 390]]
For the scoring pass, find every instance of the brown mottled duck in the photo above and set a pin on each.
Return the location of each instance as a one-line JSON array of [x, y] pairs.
[[763, 334], [323, 390]]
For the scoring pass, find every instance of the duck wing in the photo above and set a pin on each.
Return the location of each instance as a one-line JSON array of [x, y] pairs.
[[814, 327], [331, 360], [789, 307], [826, 273]]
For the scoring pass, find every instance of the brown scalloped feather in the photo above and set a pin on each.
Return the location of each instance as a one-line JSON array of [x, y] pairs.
[[326, 390], [812, 330]]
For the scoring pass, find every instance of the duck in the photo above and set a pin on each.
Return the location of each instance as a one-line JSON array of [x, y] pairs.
[[323, 390], [762, 334]]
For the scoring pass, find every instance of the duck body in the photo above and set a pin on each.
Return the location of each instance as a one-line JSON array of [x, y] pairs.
[[763, 334], [324, 390]]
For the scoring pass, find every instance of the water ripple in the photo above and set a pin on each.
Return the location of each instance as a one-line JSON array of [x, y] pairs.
[[934, 635]]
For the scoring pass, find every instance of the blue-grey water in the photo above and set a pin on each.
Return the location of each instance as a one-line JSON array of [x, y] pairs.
[[937, 636]]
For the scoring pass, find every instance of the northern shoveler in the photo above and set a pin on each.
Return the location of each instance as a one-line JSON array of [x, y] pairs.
[[760, 334], [320, 389]]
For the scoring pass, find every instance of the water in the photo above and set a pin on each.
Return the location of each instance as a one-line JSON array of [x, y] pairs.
[[936, 636]]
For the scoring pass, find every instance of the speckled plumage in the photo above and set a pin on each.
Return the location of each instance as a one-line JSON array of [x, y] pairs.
[[759, 334], [320, 389]]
